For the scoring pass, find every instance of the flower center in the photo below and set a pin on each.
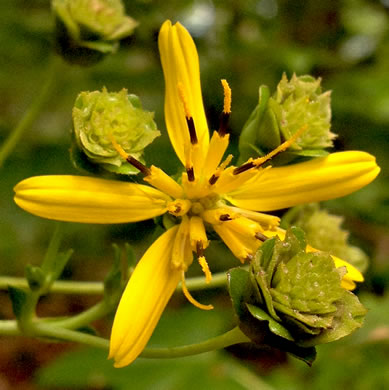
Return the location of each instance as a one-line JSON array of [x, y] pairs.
[[197, 208]]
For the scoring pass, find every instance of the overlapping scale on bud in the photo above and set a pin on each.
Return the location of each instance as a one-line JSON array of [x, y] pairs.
[[101, 119], [324, 231], [87, 30], [297, 103], [293, 300]]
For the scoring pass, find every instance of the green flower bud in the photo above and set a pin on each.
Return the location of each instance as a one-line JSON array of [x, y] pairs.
[[324, 232], [300, 102], [296, 104], [100, 117], [293, 298], [86, 30]]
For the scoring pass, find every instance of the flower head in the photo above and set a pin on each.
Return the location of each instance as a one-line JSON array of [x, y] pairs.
[[86, 30], [100, 116], [211, 194], [294, 296]]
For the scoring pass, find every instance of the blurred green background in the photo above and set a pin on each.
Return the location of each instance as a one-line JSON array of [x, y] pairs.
[[346, 42]]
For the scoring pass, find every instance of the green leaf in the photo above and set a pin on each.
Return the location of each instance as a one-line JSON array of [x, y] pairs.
[[36, 278], [102, 47], [249, 134], [306, 354], [347, 319], [124, 169], [264, 255], [274, 326], [262, 280], [268, 134], [59, 264], [112, 282], [284, 251], [324, 232], [310, 281], [239, 287], [18, 298]]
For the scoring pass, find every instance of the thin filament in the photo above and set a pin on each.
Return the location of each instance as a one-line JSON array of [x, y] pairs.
[[189, 296]]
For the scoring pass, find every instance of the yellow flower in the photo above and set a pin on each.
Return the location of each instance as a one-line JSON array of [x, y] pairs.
[[210, 195]]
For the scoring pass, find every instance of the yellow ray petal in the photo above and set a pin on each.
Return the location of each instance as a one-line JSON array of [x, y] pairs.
[[145, 297], [180, 65], [320, 179], [89, 200], [352, 275]]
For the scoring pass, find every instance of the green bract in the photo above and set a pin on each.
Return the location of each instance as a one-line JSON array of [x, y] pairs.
[[89, 29], [100, 117], [324, 232], [293, 300], [296, 104]]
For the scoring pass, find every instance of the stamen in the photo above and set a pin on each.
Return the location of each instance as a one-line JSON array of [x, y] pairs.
[[204, 266], [188, 116], [244, 167], [179, 207], [281, 148], [260, 236], [199, 249], [190, 173], [267, 221], [133, 161], [261, 160], [226, 109], [218, 216], [227, 96], [214, 178], [189, 296], [182, 95], [192, 131], [203, 263], [249, 257]]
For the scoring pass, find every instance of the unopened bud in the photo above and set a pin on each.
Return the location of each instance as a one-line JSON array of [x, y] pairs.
[[297, 103], [101, 119], [86, 30], [293, 298]]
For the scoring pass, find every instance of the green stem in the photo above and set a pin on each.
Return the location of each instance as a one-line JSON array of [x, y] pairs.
[[9, 328], [27, 313], [52, 250], [86, 317], [234, 336], [49, 330], [60, 286], [32, 113], [97, 288], [44, 329], [198, 282]]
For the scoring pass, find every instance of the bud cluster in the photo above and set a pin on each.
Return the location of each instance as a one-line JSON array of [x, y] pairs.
[[86, 30], [296, 297], [297, 103], [101, 118]]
